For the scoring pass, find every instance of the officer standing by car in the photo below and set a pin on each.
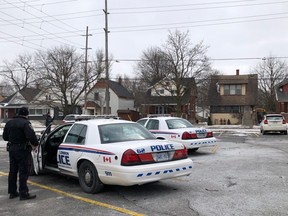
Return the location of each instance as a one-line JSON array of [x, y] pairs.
[[21, 138]]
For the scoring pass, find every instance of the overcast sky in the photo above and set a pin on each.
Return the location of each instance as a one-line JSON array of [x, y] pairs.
[[238, 33]]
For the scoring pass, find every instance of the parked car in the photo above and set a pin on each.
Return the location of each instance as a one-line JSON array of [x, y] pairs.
[[273, 123], [110, 152], [179, 130]]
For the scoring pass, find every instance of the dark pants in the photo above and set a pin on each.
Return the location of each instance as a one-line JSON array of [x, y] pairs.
[[20, 161]]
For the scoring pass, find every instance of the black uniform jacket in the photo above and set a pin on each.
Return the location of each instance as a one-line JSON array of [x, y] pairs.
[[19, 131]]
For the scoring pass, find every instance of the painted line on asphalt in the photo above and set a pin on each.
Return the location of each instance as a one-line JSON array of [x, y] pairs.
[[256, 134], [214, 149], [93, 202]]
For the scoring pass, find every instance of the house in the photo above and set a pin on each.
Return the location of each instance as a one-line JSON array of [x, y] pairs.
[[281, 92], [233, 99], [161, 99], [29, 97], [120, 98]]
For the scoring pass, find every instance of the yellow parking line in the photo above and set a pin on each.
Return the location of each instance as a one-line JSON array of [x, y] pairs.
[[214, 149], [105, 205]]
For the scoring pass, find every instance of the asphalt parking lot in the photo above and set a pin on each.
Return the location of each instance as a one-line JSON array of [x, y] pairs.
[[246, 174]]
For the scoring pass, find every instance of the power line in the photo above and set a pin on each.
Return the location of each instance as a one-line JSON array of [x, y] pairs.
[[203, 8], [30, 24]]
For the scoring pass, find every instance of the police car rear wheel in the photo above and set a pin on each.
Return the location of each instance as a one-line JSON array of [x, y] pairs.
[[88, 178]]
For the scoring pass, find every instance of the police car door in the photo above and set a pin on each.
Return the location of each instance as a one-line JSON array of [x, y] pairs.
[[71, 149], [37, 153]]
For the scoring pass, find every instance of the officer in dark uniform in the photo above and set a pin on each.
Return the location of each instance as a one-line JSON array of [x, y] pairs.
[[22, 138]]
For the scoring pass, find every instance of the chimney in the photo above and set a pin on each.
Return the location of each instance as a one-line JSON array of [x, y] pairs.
[[237, 72], [120, 80]]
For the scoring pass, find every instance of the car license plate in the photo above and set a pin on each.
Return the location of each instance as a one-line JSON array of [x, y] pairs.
[[162, 156], [201, 135]]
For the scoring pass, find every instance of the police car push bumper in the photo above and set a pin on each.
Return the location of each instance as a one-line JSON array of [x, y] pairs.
[[130, 175]]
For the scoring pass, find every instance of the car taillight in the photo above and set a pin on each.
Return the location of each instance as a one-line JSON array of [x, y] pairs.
[[129, 158], [187, 135], [209, 134], [180, 154], [265, 121]]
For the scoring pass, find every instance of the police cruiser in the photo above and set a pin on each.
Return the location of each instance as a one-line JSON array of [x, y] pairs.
[[110, 152], [179, 130]]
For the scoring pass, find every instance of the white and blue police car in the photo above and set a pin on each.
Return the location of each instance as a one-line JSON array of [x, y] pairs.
[[179, 130], [110, 152]]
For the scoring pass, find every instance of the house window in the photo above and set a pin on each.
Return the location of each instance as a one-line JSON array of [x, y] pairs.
[[38, 112], [233, 89], [48, 97], [225, 109], [160, 110], [96, 96]]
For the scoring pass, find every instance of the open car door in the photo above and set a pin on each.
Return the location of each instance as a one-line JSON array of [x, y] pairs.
[[37, 154]]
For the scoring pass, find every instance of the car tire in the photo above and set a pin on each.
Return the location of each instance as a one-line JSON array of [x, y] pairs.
[[89, 179], [285, 132]]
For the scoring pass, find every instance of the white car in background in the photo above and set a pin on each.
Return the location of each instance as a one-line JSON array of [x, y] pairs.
[[179, 130], [110, 152], [273, 123]]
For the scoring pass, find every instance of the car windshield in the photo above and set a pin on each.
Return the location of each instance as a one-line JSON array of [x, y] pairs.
[[111, 133], [71, 117], [178, 123]]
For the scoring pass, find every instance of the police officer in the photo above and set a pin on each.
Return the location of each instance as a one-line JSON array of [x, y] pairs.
[[21, 136], [48, 121]]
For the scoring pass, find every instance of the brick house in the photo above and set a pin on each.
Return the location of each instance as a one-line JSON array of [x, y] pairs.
[[233, 99], [281, 91]]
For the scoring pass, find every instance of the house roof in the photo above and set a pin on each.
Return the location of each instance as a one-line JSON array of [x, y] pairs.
[[120, 90], [189, 83], [282, 96], [27, 93], [117, 87], [251, 81]]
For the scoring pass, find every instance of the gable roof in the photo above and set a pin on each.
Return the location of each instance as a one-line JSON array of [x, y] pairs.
[[28, 94], [118, 89], [251, 81]]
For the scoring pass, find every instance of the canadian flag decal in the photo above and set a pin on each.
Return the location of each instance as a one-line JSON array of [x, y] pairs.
[[107, 159]]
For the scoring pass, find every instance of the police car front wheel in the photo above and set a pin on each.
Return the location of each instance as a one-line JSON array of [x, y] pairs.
[[89, 179]]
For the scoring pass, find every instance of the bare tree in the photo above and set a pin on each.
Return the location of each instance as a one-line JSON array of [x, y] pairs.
[[62, 74], [152, 67], [177, 59], [20, 73], [202, 91], [270, 72]]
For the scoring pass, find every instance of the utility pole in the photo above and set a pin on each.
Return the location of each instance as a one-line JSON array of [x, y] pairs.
[[107, 95], [85, 70]]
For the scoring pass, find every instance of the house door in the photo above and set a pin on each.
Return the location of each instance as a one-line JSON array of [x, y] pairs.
[[160, 110]]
